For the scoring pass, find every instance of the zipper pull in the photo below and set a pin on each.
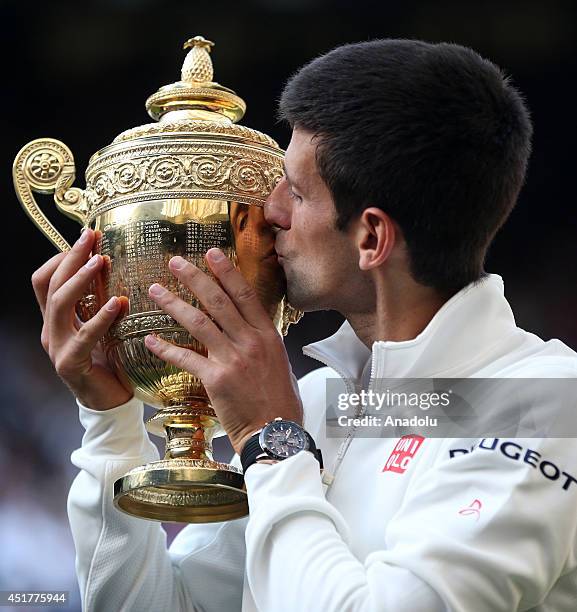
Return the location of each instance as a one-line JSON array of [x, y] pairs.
[[327, 478]]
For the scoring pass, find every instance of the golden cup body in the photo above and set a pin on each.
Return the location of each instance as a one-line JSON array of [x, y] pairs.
[[192, 181]]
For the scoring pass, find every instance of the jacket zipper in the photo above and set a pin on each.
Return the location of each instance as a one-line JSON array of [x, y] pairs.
[[329, 477]]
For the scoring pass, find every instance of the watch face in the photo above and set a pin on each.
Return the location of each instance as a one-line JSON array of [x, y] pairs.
[[283, 439]]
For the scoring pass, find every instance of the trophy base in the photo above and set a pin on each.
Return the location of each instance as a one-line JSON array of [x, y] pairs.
[[183, 491]]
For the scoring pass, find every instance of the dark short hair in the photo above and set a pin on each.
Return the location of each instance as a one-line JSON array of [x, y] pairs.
[[433, 134]]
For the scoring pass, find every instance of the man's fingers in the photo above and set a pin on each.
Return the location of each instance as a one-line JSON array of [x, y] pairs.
[[177, 356], [192, 319], [212, 297], [244, 296], [92, 331], [73, 261], [61, 309], [41, 279], [124, 308]]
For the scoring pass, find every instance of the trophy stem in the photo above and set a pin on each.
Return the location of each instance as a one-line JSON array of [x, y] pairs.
[[187, 485], [188, 427], [188, 438]]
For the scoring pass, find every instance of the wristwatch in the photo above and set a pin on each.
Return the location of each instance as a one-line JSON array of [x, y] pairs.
[[278, 440]]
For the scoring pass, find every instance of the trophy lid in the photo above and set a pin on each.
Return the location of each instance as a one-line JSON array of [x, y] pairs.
[[195, 149], [196, 103], [196, 91]]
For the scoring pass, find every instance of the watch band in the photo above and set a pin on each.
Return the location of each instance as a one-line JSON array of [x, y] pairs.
[[253, 451]]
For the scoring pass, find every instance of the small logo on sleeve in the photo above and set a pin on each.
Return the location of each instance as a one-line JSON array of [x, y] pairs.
[[473, 509], [405, 449]]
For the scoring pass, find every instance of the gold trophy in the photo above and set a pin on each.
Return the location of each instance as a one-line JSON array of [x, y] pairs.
[[192, 181]]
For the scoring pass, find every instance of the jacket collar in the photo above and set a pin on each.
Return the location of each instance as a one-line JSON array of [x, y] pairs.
[[464, 333]]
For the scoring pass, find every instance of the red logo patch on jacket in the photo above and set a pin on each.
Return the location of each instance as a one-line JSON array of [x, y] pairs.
[[405, 449]]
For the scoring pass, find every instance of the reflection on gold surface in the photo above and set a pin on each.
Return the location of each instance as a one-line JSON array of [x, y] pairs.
[[256, 256]]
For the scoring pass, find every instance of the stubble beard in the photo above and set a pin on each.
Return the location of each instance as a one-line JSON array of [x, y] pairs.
[[301, 293]]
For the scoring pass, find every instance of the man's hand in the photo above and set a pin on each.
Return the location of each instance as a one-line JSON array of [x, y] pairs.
[[247, 373], [74, 347]]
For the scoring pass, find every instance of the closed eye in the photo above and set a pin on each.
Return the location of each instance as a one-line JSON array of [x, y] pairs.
[[294, 195]]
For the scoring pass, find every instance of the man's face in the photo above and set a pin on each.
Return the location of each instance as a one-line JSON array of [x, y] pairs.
[[319, 261]]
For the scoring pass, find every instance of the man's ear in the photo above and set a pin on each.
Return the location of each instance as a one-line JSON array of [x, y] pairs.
[[376, 236]]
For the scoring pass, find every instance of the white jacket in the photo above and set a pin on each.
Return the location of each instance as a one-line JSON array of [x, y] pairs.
[[438, 524]]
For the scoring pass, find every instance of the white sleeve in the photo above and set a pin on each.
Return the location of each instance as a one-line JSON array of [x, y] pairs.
[[505, 558], [291, 525], [122, 562]]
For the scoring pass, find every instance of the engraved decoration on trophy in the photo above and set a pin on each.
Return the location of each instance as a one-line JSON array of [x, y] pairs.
[[193, 180]]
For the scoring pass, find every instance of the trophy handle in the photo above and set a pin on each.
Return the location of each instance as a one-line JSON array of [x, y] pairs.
[[290, 315], [46, 165]]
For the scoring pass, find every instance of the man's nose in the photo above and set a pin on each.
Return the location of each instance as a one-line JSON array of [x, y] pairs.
[[277, 206]]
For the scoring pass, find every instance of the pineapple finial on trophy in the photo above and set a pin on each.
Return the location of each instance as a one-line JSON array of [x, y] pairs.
[[197, 66], [196, 96]]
